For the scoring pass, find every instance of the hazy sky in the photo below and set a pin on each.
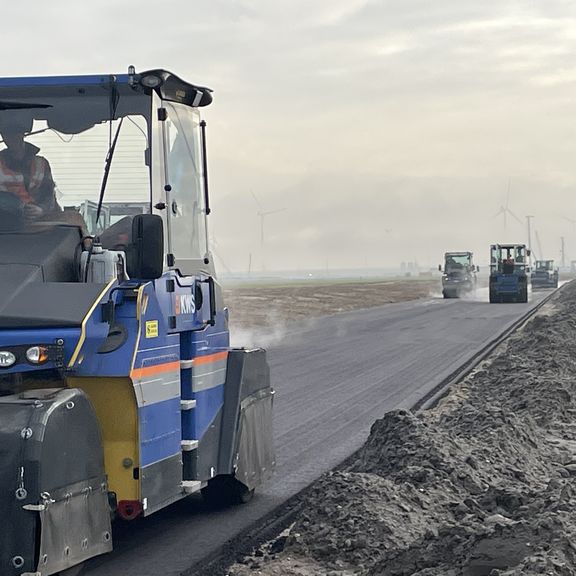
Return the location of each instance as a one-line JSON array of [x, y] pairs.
[[383, 130]]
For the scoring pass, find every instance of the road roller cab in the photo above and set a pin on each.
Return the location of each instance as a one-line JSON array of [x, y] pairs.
[[509, 268], [458, 275], [545, 274]]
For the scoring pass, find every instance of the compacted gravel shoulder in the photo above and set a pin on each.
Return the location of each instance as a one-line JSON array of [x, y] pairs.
[[483, 484]]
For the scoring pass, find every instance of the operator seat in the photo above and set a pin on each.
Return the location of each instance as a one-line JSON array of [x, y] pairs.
[[508, 266], [118, 236]]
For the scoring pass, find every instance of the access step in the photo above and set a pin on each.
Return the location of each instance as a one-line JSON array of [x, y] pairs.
[[188, 445], [187, 404], [191, 486]]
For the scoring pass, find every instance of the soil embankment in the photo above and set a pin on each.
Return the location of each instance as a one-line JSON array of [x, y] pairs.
[[483, 484]]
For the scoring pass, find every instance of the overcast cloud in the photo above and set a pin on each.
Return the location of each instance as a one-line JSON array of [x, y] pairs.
[[386, 130]]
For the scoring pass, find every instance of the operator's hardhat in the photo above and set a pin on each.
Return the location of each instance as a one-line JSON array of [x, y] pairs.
[[15, 123]]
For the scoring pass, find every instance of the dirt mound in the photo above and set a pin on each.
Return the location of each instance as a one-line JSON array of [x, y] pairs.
[[403, 445], [483, 484]]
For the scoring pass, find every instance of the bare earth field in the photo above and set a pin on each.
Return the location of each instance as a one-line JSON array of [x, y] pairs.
[[267, 306], [483, 484]]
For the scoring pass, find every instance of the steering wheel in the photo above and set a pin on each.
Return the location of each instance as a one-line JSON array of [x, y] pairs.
[[11, 211]]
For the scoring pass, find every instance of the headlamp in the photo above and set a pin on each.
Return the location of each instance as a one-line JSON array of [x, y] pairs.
[[37, 354], [7, 359]]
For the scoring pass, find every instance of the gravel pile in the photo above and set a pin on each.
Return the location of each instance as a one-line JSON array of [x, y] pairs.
[[483, 484]]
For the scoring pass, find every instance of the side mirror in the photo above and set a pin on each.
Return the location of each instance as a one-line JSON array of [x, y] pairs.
[[528, 252], [145, 254], [439, 267], [477, 268]]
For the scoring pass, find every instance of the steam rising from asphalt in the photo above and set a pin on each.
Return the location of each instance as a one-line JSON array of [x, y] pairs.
[[478, 295], [271, 334]]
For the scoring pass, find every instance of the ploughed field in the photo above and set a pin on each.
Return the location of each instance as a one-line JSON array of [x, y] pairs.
[[264, 306], [482, 484]]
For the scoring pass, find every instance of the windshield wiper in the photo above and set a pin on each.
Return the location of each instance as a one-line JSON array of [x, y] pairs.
[[21, 105], [107, 166], [114, 99], [113, 103]]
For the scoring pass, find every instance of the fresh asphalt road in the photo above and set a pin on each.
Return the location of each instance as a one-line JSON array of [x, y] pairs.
[[333, 377]]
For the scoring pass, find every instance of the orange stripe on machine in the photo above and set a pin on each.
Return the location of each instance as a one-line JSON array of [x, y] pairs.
[[199, 360], [138, 373]]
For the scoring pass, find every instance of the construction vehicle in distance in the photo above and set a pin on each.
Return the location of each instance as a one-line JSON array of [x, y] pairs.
[[544, 274], [119, 391], [458, 275], [509, 268]]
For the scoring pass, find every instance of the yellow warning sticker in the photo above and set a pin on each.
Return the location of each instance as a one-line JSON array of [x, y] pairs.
[[151, 328]]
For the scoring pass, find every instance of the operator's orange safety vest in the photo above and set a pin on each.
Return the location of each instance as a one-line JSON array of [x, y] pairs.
[[13, 182]]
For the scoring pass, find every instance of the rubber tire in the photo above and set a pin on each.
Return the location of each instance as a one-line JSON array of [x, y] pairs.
[[244, 495], [224, 491]]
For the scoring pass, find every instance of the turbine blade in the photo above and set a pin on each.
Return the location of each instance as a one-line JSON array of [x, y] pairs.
[[273, 211], [256, 200], [515, 217]]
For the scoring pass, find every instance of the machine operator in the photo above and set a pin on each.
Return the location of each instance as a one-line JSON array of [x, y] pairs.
[[24, 173]]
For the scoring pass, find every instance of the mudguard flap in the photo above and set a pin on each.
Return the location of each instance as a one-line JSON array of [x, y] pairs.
[[53, 491], [246, 440]]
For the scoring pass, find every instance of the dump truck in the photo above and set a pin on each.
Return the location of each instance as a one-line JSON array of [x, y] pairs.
[[458, 274], [509, 268], [119, 391], [544, 274]]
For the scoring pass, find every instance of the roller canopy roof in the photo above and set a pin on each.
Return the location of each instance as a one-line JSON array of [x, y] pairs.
[[168, 86]]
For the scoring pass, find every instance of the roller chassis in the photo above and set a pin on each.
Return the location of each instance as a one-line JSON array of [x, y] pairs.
[[119, 391], [549, 282], [457, 291], [544, 275], [459, 274]]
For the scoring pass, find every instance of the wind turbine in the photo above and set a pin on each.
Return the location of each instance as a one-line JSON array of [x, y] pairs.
[[571, 220], [505, 211], [214, 246], [262, 215], [540, 251]]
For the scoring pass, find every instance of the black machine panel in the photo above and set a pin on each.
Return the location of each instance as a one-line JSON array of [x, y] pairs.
[[52, 249], [37, 429], [39, 283]]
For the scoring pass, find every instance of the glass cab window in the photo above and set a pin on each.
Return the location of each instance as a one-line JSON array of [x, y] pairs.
[[457, 261], [495, 255], [77, 162], [186, 210], [69, 131]]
